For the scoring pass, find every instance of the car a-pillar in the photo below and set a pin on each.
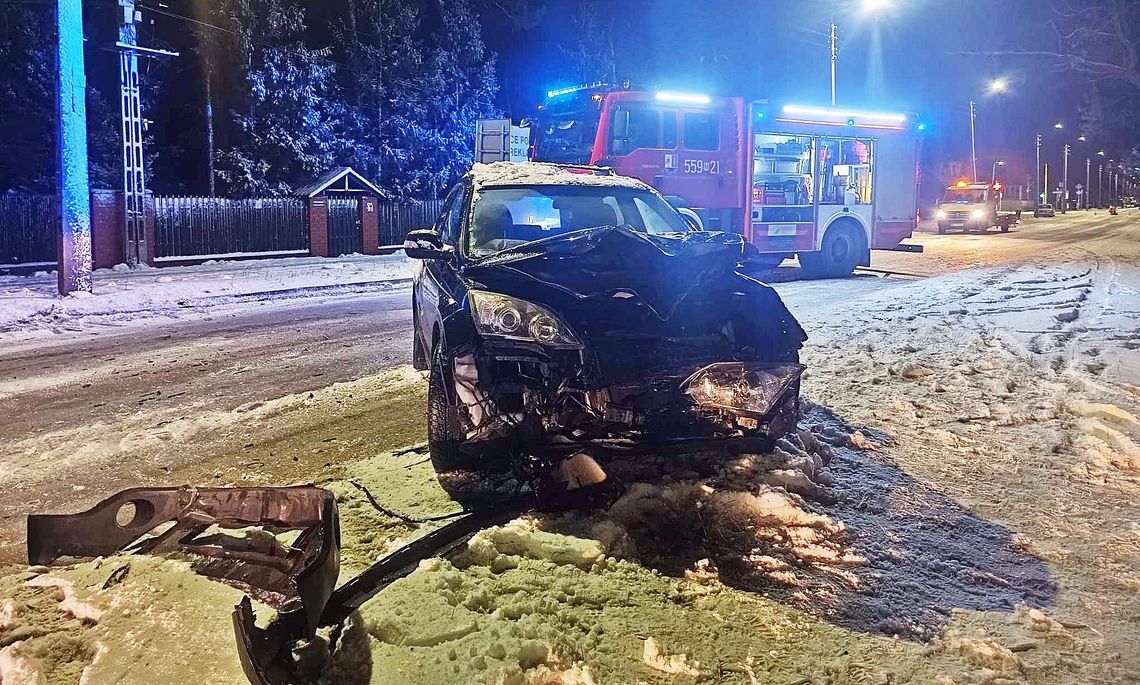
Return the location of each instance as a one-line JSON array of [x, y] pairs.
[[844, 247]]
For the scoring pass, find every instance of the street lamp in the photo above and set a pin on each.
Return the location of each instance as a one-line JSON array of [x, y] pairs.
[[876, 6], [993, 175], [998, 86], [870, 7], [1059, 125]]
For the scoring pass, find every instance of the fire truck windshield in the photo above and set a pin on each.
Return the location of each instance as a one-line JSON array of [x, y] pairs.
[[568, 138]]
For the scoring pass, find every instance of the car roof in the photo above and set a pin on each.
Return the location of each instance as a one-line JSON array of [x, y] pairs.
[[501, 174]]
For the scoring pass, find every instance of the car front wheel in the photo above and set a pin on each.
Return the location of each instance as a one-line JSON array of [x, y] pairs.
[[441, 416]]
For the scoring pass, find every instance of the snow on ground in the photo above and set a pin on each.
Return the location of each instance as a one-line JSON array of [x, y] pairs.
[[30, 304], [975, 522]]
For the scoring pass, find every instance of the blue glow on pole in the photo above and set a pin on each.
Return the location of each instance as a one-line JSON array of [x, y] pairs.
[[74, 185]]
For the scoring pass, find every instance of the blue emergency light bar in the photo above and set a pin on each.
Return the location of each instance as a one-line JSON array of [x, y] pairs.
[[683, 98], [844, 117], [551, 94]]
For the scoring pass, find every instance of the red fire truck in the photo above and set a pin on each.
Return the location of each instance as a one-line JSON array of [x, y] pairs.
[[826, 184]]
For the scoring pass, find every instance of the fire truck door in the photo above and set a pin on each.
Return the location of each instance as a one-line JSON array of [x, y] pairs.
[[703, 169], [896, 190]]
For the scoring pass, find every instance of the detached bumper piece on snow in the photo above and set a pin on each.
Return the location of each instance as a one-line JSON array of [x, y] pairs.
[[297, 580]]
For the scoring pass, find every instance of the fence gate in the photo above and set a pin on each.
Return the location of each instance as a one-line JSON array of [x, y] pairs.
[[28, 228], [345, 235]]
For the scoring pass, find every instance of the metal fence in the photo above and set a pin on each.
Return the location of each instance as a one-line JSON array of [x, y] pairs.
[[397, 220], [27, 228], [198, 227]]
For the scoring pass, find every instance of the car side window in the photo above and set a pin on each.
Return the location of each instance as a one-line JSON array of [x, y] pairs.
[[452, 218]]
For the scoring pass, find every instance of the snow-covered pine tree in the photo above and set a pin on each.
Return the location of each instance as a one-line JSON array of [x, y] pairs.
[[421, 79], [286, 125]]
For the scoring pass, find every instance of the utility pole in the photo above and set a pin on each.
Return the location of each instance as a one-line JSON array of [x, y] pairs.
[[1037, 187], [1100, 185], [134, 179], [1088, 181], [210, 122], [1065, 182], [834, 35], [134, 175], [74, 247], [973, 142]]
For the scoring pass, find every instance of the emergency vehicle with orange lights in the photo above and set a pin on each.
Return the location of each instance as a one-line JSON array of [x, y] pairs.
[[825, 184], [970, 207]]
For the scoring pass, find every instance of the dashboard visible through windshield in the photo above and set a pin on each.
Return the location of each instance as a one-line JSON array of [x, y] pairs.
[[503, 218]]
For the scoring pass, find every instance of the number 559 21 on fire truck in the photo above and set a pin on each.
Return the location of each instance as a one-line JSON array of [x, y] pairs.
[[827, 185]]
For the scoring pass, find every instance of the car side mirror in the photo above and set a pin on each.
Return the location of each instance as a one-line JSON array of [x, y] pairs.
[[693, 225], [426, 243]]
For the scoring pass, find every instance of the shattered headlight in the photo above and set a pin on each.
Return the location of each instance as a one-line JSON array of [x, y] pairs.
[[499, 316]]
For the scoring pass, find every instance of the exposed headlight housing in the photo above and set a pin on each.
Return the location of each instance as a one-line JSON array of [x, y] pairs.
[[941, 214], [509, 318], [979, 214]]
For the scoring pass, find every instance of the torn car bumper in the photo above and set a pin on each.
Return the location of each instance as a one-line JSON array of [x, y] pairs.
[[296, 579], [540, 403]]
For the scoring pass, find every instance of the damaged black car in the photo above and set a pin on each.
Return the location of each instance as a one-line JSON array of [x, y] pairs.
[[566, 311]]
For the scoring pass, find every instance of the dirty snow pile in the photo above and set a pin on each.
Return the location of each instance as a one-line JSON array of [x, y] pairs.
[[122, 295]]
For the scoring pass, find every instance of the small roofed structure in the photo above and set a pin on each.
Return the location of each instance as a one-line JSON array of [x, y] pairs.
[[343, 213], [342, 180]]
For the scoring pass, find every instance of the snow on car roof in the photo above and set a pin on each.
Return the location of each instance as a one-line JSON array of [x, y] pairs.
[[537, 173]]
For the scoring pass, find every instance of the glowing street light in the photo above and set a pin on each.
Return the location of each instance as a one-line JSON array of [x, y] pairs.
[[1083, 139], [1059, 125], [998, 86], [1101, 153], [876, 6]]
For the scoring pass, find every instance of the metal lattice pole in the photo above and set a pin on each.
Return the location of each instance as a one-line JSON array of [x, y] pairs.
[[134, 179]]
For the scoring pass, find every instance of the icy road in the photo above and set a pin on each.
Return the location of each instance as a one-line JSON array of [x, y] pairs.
[[982, 505]]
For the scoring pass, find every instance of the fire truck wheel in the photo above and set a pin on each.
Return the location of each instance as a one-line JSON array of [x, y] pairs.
[[842, 250]]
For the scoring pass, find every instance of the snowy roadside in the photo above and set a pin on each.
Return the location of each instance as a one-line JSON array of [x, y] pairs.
[[976, 523], [29, 304]]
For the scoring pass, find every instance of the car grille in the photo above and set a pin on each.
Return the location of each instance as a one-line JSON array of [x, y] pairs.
[[959, 216]]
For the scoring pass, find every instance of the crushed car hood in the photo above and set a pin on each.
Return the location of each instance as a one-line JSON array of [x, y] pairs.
[[614, 261], [640, 301]]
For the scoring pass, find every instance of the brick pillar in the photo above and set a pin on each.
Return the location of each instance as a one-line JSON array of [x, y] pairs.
[[107, 231], [370, 224], [318, 227], [149, 215]]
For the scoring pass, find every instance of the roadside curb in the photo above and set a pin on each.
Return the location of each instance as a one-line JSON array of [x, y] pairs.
[[286, 293]]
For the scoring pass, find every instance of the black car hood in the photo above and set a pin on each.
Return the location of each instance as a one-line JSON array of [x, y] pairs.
[[659, 270]]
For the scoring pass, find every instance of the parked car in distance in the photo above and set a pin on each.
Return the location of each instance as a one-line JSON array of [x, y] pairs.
[[566, 310], [1044, 211]]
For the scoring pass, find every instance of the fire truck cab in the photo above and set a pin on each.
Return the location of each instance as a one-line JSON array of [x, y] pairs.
[[824, 184]]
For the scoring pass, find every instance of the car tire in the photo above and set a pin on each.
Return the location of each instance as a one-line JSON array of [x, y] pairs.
[[941, 229], [842, 250], [443, 447]]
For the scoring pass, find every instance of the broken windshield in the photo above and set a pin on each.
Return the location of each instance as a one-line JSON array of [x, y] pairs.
[[504, 218]]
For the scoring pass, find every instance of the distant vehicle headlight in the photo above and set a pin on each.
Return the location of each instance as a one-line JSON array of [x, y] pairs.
[[941, 214], [979, 214], [509, 318]]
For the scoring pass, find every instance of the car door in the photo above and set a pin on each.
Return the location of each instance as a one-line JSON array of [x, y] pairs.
[[437, 281]]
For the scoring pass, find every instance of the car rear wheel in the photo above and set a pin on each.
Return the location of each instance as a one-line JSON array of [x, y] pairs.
[[841, 252]]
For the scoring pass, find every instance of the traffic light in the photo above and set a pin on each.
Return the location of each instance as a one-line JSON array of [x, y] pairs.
[[998, 186]]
